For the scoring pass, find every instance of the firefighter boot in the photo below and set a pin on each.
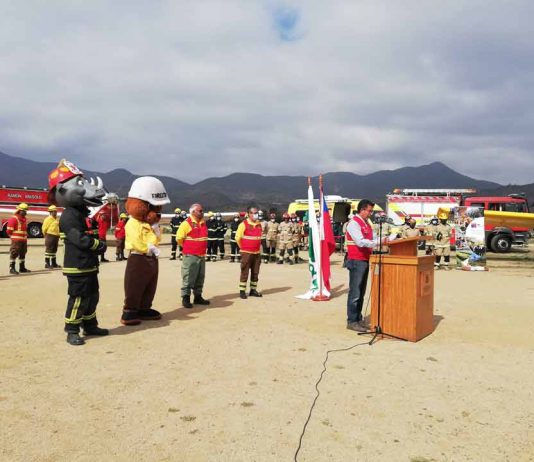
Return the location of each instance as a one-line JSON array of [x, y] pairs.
[[186, 301], [242, 294], [73, 338], [103, 259], [198, 300], [54, 263], [95, 330], [12, 269], [254, 293], [173, 256], [47, 263], [22, 268]]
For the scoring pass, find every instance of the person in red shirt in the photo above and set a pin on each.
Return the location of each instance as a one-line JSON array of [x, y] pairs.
[[248, 238], [192, 235], [103, 226], [120, 237], [16, 230], [360, 241]]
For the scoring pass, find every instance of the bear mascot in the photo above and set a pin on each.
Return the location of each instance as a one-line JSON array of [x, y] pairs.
[[68, 188], [146, 197]]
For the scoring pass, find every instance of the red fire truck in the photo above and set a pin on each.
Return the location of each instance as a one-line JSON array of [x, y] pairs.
[[422, 204], [37, 199]]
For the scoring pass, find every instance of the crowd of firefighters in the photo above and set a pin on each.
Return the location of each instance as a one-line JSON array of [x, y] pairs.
[[280, 240]]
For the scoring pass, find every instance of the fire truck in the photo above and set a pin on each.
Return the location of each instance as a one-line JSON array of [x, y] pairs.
[[508, 221], [37, 199]]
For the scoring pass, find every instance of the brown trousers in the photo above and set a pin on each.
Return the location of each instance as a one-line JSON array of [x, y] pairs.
[[140, 282], [18, 249], [250, 263], [51, 243]]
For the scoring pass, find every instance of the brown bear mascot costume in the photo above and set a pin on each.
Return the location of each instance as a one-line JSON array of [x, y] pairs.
[[146, 197]]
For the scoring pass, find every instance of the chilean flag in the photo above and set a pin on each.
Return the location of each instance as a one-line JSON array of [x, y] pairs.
[[328, 242]]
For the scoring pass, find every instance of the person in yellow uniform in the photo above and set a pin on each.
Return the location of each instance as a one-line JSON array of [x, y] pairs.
[[146, 197], [50, 230]]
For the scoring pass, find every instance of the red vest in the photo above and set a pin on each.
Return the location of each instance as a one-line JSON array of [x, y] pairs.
[[16, 228], [196, 242], [251, 239], [353, 251], [120, 232]]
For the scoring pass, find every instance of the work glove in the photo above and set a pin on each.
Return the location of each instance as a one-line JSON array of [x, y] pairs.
[[153, 250], [439, 236]]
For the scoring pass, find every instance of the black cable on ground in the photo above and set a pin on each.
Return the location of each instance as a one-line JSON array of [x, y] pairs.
[[318, 392]]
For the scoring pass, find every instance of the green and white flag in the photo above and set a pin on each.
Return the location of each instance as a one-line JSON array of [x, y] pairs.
[[314, 249]]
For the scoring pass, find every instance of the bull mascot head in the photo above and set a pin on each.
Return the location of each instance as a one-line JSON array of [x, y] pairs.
[[69, 188]]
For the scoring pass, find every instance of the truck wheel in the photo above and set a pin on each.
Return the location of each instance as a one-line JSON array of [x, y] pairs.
[[501, 244], [34, 230]]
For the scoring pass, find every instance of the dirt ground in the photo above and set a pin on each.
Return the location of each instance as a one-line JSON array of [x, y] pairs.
[[235, 382]]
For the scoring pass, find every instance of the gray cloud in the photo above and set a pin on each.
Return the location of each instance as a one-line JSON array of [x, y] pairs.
[[197, 89]]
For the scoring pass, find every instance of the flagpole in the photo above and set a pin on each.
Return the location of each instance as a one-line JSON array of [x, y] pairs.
[[320, 297]]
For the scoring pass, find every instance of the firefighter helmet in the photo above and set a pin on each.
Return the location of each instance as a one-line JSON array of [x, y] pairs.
[[123, 215], [149, 189], [23, 206], [63, 172], [177, 210], [443, 215], [52, 208]]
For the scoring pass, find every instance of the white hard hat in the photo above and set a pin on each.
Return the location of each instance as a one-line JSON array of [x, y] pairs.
[[149, 189]]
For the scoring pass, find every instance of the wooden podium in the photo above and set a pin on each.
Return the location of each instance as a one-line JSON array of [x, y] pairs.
[[407, 291]]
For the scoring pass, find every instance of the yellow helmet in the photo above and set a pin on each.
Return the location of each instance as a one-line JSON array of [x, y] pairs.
[[177, 210], [22, 206], [123, 215], [52, 208], [210, 214], [443, 215]]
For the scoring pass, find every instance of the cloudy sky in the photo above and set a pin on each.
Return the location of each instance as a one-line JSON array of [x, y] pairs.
[[203, 88]]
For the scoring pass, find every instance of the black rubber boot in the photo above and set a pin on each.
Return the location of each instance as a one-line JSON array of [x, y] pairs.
[[73, 338], [232, 260], [280, 262], [130, 318], [198, 300], [149, 315], [243, 294], [173, 256], [22, 268], [47, 263], [12, 269], [95, 330], [103, 259], [186, 301], [254, 293], [290, 262], [54, 263]]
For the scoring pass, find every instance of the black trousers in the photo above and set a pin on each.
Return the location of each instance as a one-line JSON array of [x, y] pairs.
[[83, 299]]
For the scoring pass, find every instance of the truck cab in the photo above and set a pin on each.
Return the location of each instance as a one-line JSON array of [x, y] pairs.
[[501, 238]]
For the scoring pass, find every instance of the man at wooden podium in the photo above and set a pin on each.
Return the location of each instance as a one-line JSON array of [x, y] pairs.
[[360, 241]]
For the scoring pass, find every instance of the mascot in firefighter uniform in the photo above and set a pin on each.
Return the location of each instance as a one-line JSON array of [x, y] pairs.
[[146, 197], [69, 189]]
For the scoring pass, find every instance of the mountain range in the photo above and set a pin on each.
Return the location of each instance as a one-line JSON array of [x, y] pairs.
[[239, 190]]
